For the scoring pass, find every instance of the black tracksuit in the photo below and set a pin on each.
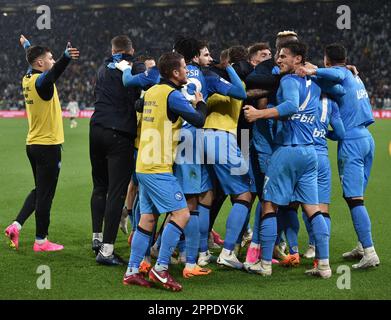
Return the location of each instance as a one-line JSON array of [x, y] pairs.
[[113, 129]]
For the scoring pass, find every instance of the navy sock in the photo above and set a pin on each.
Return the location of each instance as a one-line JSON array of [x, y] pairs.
[[319, 227], [170, 237], [203, 214], [268, 235], [182, 244], [140, 243], [130, 215], [292, 226], [192, 235], [280, 227], [235, 222]]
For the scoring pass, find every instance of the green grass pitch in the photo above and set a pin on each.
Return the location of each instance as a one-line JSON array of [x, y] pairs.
[[75, 274]]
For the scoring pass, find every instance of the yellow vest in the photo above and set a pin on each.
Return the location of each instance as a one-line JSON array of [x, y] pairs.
[[44, 117], [159, 136], [223, 113]]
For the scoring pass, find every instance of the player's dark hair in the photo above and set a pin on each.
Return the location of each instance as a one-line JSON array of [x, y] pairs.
[[237, 53], [336, 53], [252, 50], [224, 55], [144, 58], [169, 62], [121, 43], [35, 52], [202, 44], [188, 48], [297, 49]]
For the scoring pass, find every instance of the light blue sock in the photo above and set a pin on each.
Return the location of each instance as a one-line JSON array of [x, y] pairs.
[[203, 218], [268, 235], [327, 218], [235, 222], [170, 237], [140, 243], [362, 225], [136, 212], [321, 234], [192, 235], [292, 226], [159, 240], [311, 239], [148, 252], [246, 226], [182, 244], [256, 227]]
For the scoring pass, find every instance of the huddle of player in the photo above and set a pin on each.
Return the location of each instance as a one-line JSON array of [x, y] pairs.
[[291, 104]]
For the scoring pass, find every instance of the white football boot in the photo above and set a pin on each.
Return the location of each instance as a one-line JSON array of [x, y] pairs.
[[262, 267], [356, 253], [322, 270], [310, 253], [229, 259], [370, 259]]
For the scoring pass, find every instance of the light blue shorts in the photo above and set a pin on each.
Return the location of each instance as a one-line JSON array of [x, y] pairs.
[[292, 175], [160, 193]]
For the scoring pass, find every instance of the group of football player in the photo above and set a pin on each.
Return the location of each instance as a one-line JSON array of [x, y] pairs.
[[256, 126]]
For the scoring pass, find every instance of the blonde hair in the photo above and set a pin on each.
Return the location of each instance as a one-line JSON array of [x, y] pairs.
[[286, 33]]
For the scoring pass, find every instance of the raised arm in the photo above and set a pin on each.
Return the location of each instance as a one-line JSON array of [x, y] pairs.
[[331, 74], [237, 90], [262, 78], [141, 80], [46, 80], [290, 104]]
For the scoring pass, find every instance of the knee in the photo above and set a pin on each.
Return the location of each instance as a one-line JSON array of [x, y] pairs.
[[206, 198], [246, 197], [354, 202], [245, 203]]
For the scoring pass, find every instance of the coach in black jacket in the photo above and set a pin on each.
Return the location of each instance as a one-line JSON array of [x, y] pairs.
[[112, 131]]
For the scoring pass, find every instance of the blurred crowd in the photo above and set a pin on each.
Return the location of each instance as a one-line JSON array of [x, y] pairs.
[[153, 29]]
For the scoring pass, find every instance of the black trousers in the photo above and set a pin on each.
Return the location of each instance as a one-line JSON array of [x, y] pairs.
[[45, 162], [112, 162]]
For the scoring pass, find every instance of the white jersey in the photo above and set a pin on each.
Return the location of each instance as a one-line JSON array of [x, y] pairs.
[[73, 108]]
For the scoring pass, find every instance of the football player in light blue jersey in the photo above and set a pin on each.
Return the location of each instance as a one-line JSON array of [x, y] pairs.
[[355, 150], [328, 114], [266, 75], [292, 172], [191, 173]]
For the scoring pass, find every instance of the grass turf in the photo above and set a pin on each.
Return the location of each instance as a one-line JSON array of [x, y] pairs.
[[75, 274]]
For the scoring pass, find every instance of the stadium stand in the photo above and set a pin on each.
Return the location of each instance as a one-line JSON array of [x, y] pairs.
[[153, 29]]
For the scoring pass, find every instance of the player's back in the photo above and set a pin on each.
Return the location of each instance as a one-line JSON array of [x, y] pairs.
[[355, 107], [195, 83], [297, 129], [325, 108]]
